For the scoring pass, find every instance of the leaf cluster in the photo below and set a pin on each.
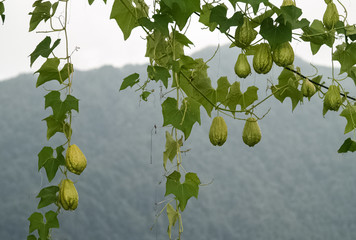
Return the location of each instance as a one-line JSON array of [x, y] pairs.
[[59, 70]]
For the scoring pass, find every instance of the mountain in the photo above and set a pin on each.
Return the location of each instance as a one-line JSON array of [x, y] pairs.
[[292, 185]]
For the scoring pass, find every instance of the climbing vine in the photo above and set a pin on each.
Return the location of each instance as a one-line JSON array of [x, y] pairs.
[[260, 30], [63, 195]]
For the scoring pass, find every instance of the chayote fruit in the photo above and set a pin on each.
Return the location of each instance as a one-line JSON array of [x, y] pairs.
[[242, 67], [262, 60], [332, 98], [251, 134], [75, 160], [331, 16], [245, 34], [68, 195], [218, 131], [283, 55], [308, 88]]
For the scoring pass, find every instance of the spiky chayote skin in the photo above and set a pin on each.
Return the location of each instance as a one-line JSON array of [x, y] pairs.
[[262, 60], [251, 134], [68, 195], [283, 55], [245, 34], [242, 67], [218, 131], [331, 16], [75, 159]]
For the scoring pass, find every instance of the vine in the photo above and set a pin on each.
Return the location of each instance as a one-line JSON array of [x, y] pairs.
[[63, 195], [261, 30], [165, 27]]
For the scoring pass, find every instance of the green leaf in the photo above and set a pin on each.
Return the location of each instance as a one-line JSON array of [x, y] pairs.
[[43, 49], [352, 73], [187, 63], [182, 39], [233, 97], [51, 164], [233, 2], [182, 191], [181, 10], [317, 35], [129, 81], [36, 222], [254, 3], [198, 85], [248, 97], [60, 156], [205, 17], [260, 18], [314, 48], [53, 126], [222, 89], [40, 13], [51, 220], [287, 87], [158, 73], [161, 23], [70, 103], [51, 167], [44, 155], [31, 237], [48, 196], [317, 79], [146, 22], [54, 8], [2, 11], [290, 15], [172, 215], [59, 108], [158, 49], [91, 1], [171, 148], [346, 56], [275, 34], [144, 95], [183, 118], [2, 18], [350, 114], [218, 15], [236, 97], [348, 146], [49, 71], [126, 15], [52, 99], [2, 8]]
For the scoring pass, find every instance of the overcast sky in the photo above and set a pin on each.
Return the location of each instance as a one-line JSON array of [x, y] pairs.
[[101, 41]]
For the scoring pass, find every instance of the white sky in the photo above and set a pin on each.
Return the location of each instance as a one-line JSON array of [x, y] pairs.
[[101, 42]]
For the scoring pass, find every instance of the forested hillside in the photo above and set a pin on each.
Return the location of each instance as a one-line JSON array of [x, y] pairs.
[[292, 185]]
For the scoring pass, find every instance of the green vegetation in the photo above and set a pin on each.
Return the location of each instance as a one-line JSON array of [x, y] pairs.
[[188, 93]]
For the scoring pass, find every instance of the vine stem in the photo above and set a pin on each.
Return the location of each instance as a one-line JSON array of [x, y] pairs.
[[318, 84], [175, 79], [69, 66]]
